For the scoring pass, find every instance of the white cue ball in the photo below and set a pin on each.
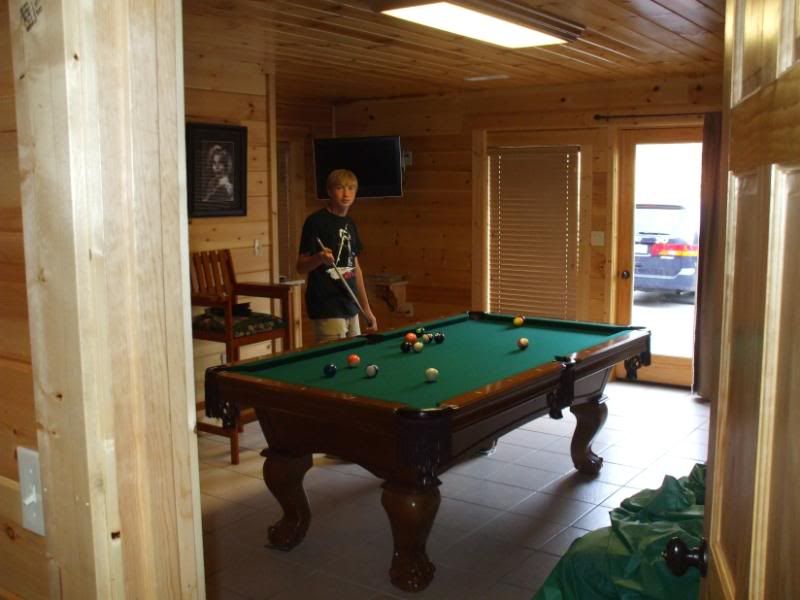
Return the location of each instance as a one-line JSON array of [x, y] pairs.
[[418, 347], [431, 374], [372, 371]]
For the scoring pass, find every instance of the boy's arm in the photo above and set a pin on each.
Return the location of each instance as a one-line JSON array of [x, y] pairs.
[[361, 292], [308, 262]]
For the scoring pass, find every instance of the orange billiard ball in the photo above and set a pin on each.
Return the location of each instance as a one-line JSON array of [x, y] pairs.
[[411, 337], [353, 360]]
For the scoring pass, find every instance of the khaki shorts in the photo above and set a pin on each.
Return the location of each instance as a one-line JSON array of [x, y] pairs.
[[326, 330]]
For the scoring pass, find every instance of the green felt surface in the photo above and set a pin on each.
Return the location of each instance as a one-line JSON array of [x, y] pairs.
[[475, 353]]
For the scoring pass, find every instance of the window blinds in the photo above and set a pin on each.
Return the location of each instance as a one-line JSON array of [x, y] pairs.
[[533, 230]]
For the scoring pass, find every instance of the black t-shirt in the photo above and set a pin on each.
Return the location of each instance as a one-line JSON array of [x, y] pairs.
[[326, 298]]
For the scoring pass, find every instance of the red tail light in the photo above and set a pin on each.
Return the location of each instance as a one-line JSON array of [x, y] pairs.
[[673, 250]]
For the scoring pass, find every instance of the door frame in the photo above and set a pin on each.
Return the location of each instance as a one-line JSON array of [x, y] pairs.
[[671, 370]]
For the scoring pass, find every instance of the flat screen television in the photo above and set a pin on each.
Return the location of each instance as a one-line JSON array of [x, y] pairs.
[[376, 161]]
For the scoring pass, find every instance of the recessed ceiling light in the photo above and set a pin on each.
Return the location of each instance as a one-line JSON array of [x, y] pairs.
[[461, 20]]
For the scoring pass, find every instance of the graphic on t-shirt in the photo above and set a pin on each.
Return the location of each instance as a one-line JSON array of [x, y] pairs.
[[345, 264]]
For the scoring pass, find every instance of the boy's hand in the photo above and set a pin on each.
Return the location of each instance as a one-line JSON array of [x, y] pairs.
[[372, 322], [326, 256]]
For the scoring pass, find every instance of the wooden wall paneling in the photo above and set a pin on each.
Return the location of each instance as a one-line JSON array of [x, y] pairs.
[[105, 245], [440, 129], [560, 107], [426, 235], [17, 413]]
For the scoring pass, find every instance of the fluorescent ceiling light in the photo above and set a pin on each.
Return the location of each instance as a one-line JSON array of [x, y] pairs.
[[470, 23]]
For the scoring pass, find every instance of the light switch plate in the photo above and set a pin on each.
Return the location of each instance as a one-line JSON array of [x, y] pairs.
[[598, 238], [30, 490]]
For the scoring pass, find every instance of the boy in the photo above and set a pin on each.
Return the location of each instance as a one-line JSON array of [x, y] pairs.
[[333, 311]]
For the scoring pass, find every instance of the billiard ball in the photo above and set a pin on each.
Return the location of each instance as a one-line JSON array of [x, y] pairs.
[[406, 347], [330, 370], [426, 338], [418, 347], [411, 337], [522, 343], [518, 321], [372, 371], [353, 360], [420, 331], [438, 337], [431, 375]]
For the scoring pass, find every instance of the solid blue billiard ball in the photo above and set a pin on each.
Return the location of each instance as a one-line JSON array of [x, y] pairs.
[[372, 371], [406, 347], [330, 370], [438, 337]]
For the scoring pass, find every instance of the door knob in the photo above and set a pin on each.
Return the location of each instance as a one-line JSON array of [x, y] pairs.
[[679, 557], [625, 274]]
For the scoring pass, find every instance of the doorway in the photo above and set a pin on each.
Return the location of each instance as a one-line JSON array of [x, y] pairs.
[[660, 172]]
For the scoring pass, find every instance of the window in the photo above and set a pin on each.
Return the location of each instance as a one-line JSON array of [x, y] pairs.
[[534, 230]]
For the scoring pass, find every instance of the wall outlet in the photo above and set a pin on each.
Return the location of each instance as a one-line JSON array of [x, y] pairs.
[[257, 247], [30, 490]]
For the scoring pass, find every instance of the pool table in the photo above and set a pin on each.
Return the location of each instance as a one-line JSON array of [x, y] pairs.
[[407, 430]]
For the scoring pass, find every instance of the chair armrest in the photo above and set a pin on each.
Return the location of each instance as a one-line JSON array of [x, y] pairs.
[[264, 290], [209, 300]]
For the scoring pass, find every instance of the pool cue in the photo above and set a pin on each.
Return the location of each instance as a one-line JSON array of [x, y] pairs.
[[346, 285]]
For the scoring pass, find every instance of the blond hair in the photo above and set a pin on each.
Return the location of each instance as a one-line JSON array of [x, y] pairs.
[[341, 177]]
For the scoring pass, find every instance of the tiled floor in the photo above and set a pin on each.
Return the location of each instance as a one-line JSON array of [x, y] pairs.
[[503, 523]]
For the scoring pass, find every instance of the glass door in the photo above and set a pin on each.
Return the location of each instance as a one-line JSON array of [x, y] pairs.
[[658, 250]]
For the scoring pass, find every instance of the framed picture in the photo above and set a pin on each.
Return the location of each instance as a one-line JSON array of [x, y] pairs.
[[216, 158]]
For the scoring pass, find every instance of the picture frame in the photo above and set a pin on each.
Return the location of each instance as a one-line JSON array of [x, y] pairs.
[[216, 173]]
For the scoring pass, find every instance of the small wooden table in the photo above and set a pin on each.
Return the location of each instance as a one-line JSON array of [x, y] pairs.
[[391, 288]]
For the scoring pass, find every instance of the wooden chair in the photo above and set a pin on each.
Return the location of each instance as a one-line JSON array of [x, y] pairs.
[[214, 286]]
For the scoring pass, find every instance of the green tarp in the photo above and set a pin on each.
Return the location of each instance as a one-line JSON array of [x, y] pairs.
[[624, 561]]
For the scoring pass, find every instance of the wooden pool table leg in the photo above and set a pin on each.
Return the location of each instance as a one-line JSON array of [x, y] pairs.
[[411, 513], [591, 416], [284, 478]]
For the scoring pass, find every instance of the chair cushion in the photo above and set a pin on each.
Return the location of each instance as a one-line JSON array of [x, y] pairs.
[[252, 323]]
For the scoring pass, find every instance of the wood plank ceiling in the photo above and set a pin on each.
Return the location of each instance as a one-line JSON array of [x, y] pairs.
[[339, 51]]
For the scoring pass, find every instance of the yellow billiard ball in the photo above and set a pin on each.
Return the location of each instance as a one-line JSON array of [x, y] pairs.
[[518, 321]]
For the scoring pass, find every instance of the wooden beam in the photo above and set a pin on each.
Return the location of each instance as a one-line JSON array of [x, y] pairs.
[[106, 248]]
